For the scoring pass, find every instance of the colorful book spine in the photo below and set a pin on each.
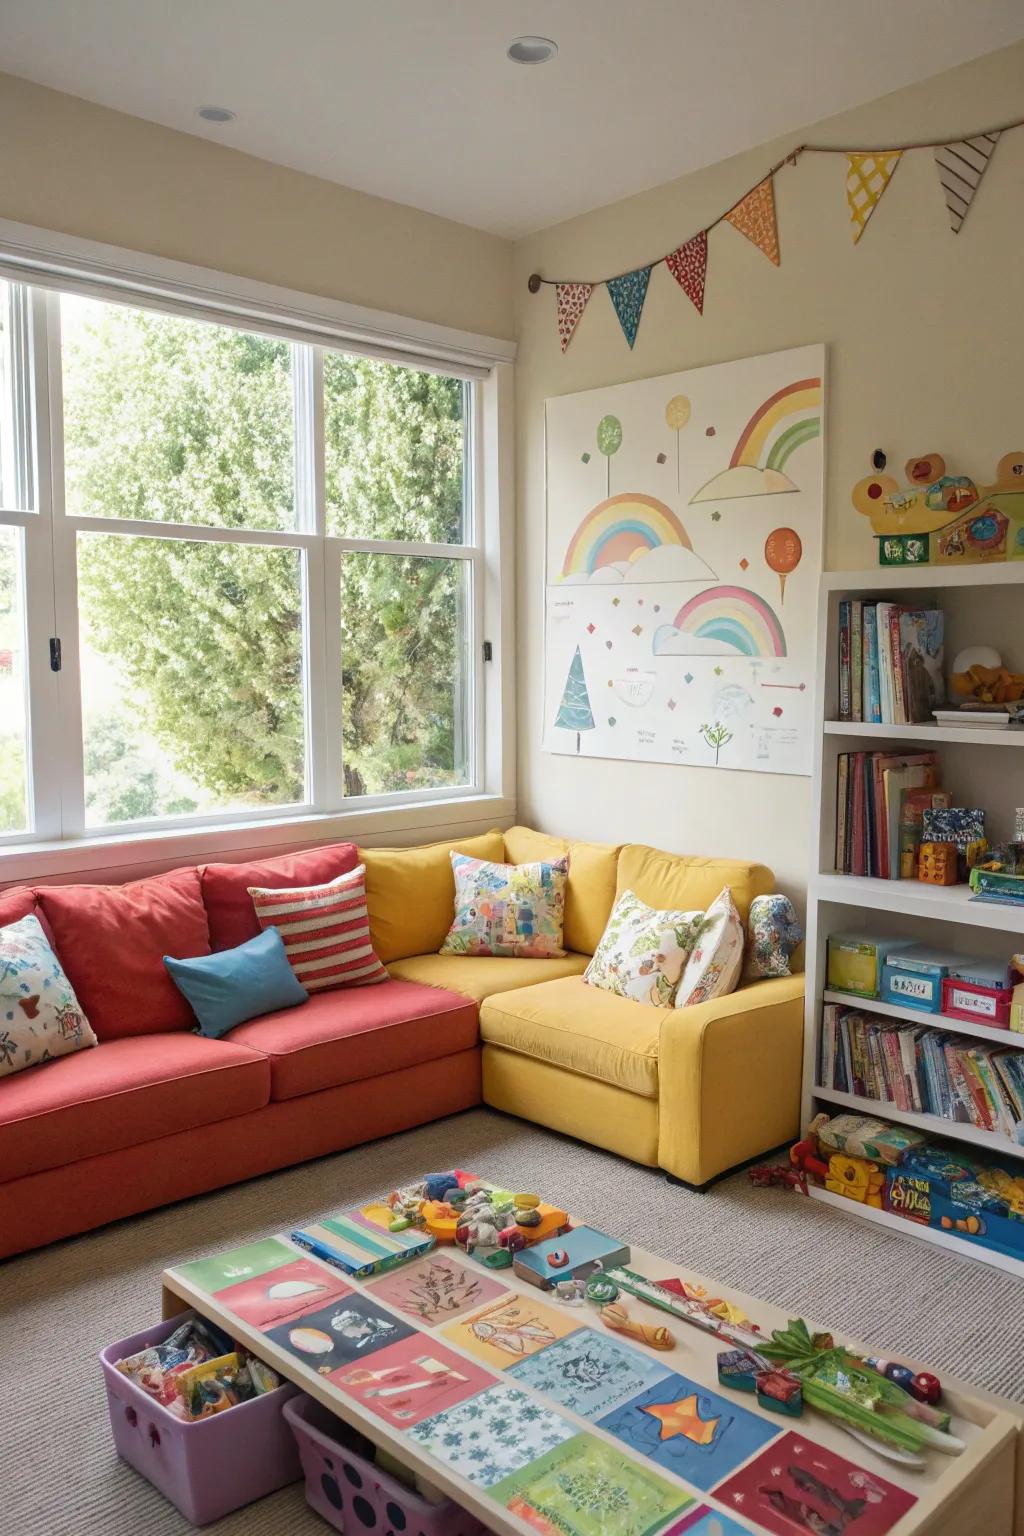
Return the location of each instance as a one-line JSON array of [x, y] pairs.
[[845, 680], [899, 707], [856, 659], [872, 706]]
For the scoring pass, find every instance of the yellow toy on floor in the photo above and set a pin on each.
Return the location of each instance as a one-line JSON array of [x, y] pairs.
[[855, 1178]]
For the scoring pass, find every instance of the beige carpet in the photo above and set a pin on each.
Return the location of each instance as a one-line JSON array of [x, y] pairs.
[[58, 1474]]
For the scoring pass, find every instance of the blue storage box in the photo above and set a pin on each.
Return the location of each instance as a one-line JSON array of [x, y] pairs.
[[912, 978]]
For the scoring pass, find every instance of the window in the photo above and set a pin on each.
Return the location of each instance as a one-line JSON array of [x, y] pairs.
[[251, 584]]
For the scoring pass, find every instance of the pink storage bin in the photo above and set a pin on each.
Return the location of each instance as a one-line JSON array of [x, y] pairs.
[[209, 1468], [353, 1494]]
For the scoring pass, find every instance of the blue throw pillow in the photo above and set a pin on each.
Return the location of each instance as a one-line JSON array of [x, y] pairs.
[[233, 985]]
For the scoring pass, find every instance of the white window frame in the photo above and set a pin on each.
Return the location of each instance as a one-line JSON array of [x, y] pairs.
[[60, 840]]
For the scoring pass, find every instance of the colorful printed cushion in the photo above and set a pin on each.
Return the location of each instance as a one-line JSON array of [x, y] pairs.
[[39, 1013], [713, 968], [507, 909], [643, 952], [326, 931], [773, 935]]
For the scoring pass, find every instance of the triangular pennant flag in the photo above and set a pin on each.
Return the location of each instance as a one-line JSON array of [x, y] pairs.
[[688, 264], [572, 301], [867, 177], [628, 293], [754, 217], [961, 166]]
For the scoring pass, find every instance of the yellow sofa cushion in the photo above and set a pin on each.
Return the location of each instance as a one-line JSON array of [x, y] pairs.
[[478, 976], [691, 884], [590, 894], [410, 893], [580, 1028]]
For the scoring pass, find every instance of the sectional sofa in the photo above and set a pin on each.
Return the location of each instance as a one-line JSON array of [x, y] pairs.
[[156, 1113]]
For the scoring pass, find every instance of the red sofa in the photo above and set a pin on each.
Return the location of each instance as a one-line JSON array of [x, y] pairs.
[[157, 1113]]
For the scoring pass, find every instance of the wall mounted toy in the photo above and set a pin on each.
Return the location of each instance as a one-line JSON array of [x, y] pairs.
[[943, 519]]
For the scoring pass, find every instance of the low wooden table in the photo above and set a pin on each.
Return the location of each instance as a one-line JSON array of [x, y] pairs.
[[980, 1491]]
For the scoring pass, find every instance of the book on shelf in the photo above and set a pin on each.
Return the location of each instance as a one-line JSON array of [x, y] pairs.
[[890, 662], [922, 1069], [870, 811]]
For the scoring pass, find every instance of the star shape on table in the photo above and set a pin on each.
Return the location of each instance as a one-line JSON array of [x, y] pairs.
[[683, 1418]]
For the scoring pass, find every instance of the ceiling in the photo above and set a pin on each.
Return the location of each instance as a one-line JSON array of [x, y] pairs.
[[415, 100]]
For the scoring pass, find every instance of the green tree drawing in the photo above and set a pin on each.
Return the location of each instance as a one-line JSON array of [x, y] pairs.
[[609, 441], [574, 712], [716, 735], [190, 423]]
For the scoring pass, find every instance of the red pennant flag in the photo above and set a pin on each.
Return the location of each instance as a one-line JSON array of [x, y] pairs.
[[571, 299], [688, 264]]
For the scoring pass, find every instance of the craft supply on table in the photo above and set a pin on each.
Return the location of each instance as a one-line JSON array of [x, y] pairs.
[[616, 1317], [690, 1306], [573, 1255], [360, 1243]]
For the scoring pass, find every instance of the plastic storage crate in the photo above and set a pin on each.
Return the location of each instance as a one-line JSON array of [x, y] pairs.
[[209, 1468], [352, 1493]]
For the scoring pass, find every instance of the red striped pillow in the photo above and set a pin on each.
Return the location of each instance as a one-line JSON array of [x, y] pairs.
[[326, 931]]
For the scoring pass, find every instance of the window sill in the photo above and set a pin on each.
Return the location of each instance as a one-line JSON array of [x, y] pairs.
[[126, 857]]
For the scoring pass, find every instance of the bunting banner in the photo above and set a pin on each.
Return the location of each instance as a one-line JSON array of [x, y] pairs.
[[688, 264], [961, 165], [867, 177], [628, 293], [572, 301], [754, 217]]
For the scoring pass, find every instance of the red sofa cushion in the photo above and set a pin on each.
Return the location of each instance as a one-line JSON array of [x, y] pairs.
[[111, 941], [120, 1094], [342, 1036], [226, 887], [15, 903]]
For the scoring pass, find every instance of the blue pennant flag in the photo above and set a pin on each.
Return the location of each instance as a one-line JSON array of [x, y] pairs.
[[628, 294]]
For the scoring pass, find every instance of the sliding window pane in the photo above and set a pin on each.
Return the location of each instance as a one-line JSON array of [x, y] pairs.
[[175, 420], [192, 683], [394, 452], [406, 674], [14, 815]]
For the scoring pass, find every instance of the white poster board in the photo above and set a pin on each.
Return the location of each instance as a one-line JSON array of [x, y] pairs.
[[684, 531]]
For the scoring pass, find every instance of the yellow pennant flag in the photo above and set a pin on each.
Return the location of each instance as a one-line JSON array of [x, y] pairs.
[[866, 180]]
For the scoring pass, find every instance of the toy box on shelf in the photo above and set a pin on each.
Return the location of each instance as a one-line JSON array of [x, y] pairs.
[[916, 1177], [940, 519]]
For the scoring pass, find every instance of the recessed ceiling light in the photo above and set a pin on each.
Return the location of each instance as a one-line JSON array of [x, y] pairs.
[[531, 50], [216, 114]]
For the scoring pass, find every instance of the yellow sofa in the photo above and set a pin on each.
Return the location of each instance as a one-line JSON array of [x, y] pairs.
[[693, 1091]]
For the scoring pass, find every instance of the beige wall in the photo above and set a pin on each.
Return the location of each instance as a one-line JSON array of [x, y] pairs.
[[71, 166], [925, 332]]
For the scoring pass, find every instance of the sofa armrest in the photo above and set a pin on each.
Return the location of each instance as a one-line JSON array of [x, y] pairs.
[[729, 1078]]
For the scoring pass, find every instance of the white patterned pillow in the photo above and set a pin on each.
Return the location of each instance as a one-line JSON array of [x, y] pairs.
[[713, 968], [643, 952], [39, 1013]]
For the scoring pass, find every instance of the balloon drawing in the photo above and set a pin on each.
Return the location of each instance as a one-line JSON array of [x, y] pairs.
[[677, 414], [609, 441], [782, 553]]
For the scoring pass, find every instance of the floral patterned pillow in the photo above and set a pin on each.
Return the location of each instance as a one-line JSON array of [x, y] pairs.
[[643, 952], [507, 909], [39, 1013], [713, 968], [773, 934]]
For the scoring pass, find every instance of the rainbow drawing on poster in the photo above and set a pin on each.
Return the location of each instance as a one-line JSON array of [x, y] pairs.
[[722, 621], [680, 627], [632, 537], [784, 422]]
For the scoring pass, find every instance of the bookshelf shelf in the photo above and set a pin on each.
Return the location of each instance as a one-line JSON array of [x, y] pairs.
[[933, 1020], [952, 1130], [913, 1229], [943, 903], [981, 605], [931, 733]]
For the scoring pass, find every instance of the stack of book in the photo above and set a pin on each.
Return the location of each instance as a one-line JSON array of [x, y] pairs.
[[922, 1069], [890, 662], [881, 798]]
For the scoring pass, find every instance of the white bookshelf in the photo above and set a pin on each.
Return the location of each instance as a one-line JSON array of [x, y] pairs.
[[982, 605]]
